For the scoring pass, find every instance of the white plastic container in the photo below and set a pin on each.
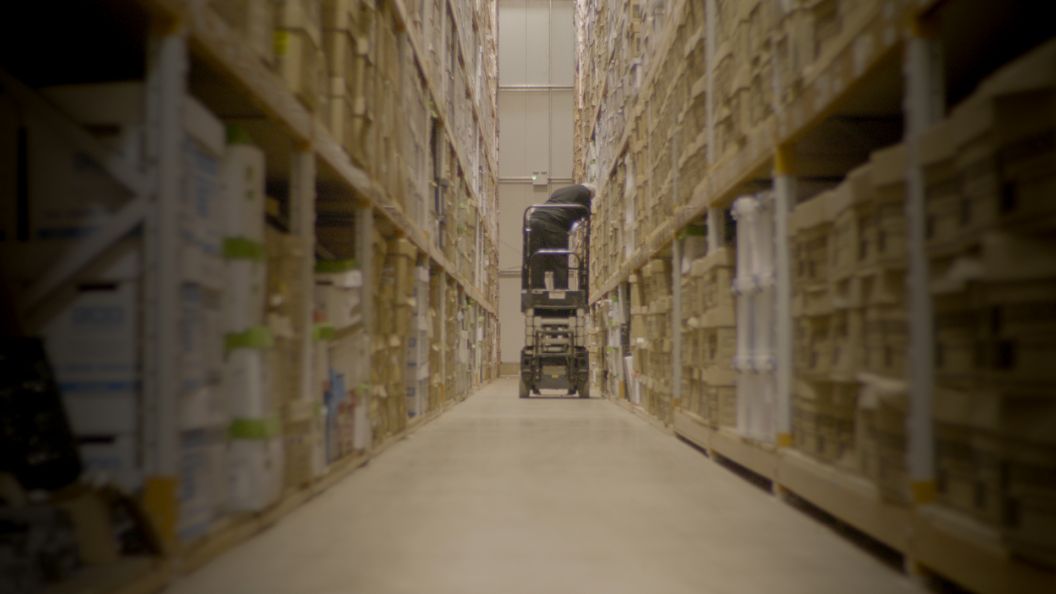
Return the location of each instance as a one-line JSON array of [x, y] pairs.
[[755, 406], [245, 296], [763, 243], [243, 191], [745, 336], [246, 384], [202, 470], [112, 460], [762, 346], [254, 473]]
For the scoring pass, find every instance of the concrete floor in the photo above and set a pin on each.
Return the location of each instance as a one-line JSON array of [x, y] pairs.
[[501, 495]]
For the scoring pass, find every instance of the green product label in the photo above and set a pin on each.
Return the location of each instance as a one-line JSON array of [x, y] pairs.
[[238, 135], [693, 231], [239, 248], [323, 333], [336, 266], [282, 43], [258, 337], [253, 428]]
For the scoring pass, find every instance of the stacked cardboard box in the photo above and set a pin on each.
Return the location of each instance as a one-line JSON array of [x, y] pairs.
[[437, 348], [341, 331], [299, 51], [416, 371], [252, 21], [879, 289], [348, 42], [454, 346], [988, 170], [255, 471], [395, 261], [597, 344], [821, 424], [849, 323], [808, 34], [653, 357], [299, 399], [693, 148], [432, 27], [709, 339], [93, 341], [413, 149]]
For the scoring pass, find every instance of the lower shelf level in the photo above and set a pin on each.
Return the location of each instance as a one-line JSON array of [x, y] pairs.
[[955, 548], [133, 575], [147, 575]]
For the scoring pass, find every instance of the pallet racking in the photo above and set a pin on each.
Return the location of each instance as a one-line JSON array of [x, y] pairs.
[[685, 107]]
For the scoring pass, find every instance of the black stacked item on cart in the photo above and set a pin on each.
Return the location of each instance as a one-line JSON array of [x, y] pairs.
[[37, 445], [38, 547], [554, 293], [39, 452]]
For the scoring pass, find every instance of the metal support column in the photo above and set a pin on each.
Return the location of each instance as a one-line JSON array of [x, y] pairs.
[[716, 229], [302, 226], [365, 257], [676, 321], [626, 349], [166, 87], [710, 47], [441, 309], [784, 201], [923, 106]]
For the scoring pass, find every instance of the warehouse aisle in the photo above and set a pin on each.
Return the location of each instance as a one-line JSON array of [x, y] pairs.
[[504, 495]]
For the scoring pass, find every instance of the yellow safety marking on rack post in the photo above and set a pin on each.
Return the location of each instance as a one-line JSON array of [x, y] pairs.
[[923, 492], [160, 505], [166, 24], [282, 43], [922, 25], [784, 440], [783, 160]]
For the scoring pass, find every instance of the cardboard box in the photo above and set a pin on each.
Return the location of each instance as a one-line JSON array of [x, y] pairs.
[[302, 64], [346, 357], [204, 408], [339, 294], [303, 454], [94, 347], [303, 15], [112, 459], [93, 526], [254, 21], [246, 376], [102, 407], [245, 297], [203, 465], [202, 216], [70, 195], [255, 473], [201, 337], [242, 177]]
